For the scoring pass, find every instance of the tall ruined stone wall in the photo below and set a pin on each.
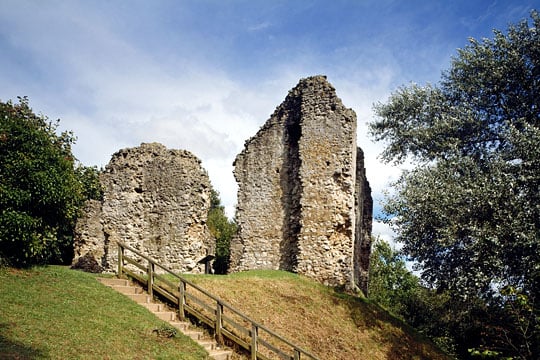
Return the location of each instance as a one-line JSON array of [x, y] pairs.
[[266, 191], [364, 224], [328, 175], [298, 200], [155, 200]]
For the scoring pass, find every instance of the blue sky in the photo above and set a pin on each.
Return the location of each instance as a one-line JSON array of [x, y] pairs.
[[205, 75]]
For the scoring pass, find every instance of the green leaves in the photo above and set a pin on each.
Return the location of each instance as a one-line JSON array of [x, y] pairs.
[[222, 229], [40, 191], [469, 212], [390, 281]]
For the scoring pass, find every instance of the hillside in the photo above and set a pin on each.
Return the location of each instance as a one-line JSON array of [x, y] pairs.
[[331, 324], [56, 313]]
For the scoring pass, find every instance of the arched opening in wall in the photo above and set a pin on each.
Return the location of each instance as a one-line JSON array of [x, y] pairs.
[[291, 189]]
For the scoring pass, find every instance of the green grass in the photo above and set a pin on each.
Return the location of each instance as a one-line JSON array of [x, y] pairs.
[[56, 313], [330, 323]]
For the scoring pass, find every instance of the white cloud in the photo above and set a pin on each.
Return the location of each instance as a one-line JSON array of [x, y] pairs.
[[384, 232], [221, 176], [85, 62], [259, 26], [360, 95]]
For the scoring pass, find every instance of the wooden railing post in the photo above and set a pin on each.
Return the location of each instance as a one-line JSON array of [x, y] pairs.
[[150, 280], [254, 335], [219, 323], [181, 300], [120, 260]]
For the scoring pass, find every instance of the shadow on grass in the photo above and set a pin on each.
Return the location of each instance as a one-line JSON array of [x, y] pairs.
[[405, 343], [11, 349]]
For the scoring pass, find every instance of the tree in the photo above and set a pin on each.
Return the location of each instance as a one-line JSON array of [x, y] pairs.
[[88, 177], [390, 282], [40, 190], [439, 316], [223, 230], [469, 211]]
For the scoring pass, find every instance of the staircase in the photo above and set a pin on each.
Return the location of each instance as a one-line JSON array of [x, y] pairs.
[[137, 294]]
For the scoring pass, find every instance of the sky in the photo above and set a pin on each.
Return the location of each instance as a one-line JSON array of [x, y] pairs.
[[205, 75]]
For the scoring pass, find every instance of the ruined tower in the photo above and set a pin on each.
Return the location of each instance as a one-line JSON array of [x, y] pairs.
[[304, 204], [155, 200]]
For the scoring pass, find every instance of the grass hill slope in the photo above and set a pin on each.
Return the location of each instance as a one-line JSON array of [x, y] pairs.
[[56, 313], [328, 323]]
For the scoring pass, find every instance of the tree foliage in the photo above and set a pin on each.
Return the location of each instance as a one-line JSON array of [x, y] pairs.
[[399, 291], [40, 189], [223, 230], [456, 325], [391, 283], [469, 211]]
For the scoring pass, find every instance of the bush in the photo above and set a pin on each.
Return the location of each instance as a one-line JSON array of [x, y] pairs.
[[40, 190]]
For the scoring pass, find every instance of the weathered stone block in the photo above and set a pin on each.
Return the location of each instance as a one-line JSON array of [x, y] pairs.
[[303, 198], [155, 200]]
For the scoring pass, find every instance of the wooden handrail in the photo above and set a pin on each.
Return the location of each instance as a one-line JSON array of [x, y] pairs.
[[217, 319]]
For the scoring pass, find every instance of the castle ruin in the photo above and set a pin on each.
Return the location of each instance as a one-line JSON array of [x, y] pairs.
[[155, 200], [304, 204]]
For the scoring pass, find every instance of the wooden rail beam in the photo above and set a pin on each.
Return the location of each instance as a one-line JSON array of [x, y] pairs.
[[190, 302]]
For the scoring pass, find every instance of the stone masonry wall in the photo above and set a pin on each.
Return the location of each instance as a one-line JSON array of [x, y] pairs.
[[364, 224], [155, 200], [299, 203], [266, 156]]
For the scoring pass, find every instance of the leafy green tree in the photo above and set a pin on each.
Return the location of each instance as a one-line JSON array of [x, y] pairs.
[[223, 230], [88, 176], [391, 283], [514, 324], [469, 211], [40, 191], [439, 316]]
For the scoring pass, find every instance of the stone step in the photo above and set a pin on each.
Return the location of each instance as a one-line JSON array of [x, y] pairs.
[[220, 354], [153, 307], [181, 325], [128, 289], [114, 281], [194, 334], [166, 315], [140, 298], [209, 345]]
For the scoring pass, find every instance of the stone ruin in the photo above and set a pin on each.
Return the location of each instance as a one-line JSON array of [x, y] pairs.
[[155, 200], [304, 204]]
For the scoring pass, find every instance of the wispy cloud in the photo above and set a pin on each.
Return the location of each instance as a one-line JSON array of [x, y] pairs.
[[259, 26], [205, 76]]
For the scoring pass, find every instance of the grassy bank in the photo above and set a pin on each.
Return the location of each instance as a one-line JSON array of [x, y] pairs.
[[56, 313], [331, 324]]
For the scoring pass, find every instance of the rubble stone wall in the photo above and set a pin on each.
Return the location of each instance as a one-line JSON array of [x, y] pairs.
[[155, 200], [364, 224], [299, 204], [266, 158]]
